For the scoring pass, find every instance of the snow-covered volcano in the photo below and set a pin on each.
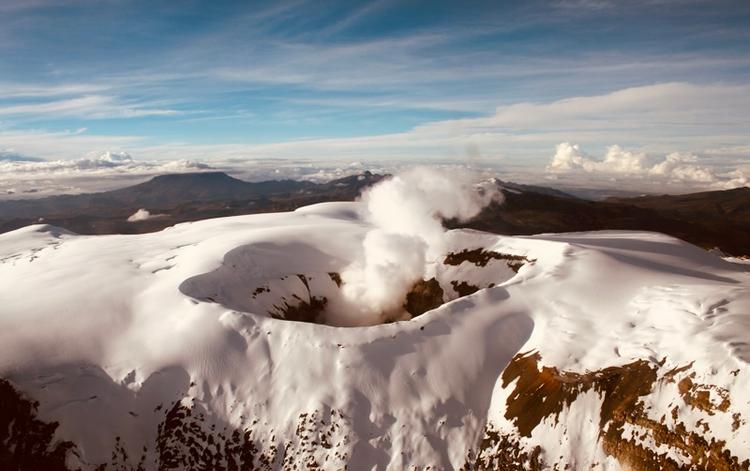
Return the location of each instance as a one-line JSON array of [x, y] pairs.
[[180, 350]]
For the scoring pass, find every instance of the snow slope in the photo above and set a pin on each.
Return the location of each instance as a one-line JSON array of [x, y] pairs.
[[164, 350]]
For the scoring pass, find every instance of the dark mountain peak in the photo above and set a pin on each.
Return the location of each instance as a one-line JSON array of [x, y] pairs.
[[358, 180], [510, 187], [194, 177], [736, 195], [173, 189], [181, 187]]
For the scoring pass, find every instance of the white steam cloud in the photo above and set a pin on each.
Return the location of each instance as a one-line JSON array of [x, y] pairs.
[[143, 215], [407, 237]]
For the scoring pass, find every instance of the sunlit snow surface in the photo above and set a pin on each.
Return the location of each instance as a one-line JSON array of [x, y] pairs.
[[103, 330]]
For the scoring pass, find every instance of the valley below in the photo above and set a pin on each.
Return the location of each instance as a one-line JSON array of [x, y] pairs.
[[716, 219]]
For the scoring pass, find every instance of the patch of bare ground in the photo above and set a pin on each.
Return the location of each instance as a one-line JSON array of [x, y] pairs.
[[336, 278], [463, 288], [260, 290], [541, 392], [186, 438], [184, 441], [698, 395], [25, 441], [303, 311], [481, 258], [503, 451], [424, 296], [311, 309]]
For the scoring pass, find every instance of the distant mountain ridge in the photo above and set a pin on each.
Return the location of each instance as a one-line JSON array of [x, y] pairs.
[[181, 197], [170, 190], [731, 203], [161, 192], [708, 219], [209, 186]]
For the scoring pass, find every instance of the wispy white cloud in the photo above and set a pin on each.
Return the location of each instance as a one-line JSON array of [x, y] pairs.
[[97, 163], [585, 5], [657, 118], [661, 117], [427, 68], [355, 17], [89, 106], [463, 63], [665, 105], [9, 6], [706, 120], [17, 90], [62, 145], [427, 64]]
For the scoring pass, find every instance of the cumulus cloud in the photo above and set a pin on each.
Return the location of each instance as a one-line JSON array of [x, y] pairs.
[[683, 167], [735, 179], [406, 212], [676, 167], [620, 160], [570, 157]]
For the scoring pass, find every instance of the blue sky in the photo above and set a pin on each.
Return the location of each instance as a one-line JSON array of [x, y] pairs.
[[506, 82]]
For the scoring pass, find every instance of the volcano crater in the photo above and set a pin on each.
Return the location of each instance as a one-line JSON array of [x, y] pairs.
[[299, 282]]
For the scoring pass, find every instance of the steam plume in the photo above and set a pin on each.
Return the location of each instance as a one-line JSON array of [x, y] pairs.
[[406, 212]]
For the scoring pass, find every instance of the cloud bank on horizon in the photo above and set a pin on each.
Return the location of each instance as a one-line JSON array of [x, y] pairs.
[[675, 168], [496, 85]]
